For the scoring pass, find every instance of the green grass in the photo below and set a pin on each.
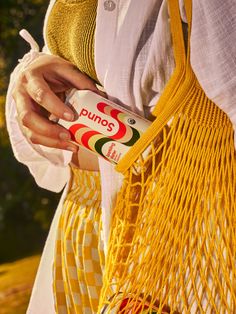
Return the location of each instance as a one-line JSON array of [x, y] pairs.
[[16, 281]]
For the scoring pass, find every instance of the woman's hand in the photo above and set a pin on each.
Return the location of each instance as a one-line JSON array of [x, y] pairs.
[[40, 91]]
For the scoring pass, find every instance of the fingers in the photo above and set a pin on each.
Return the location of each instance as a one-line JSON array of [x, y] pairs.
[[38, 129], [50, 142], [40, 92], [55, 69]]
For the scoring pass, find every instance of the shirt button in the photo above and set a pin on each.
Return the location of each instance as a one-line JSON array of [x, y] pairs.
[[109, 5]]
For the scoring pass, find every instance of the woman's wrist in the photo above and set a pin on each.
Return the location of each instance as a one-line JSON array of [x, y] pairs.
[[85, 160]]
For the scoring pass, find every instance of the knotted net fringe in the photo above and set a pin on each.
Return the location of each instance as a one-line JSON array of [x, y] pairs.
[[173, 234]]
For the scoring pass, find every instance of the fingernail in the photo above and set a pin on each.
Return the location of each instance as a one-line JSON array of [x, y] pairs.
[[68, 116], [64, 136], [72, 149]]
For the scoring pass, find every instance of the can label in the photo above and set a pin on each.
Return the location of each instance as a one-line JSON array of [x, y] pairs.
[[102, 126]]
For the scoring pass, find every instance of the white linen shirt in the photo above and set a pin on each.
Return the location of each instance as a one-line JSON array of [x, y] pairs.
[[133, 61]]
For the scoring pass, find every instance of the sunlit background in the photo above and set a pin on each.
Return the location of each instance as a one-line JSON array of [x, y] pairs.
[[25, 210]]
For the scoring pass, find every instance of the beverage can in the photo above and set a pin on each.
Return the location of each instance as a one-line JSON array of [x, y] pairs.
[[102, 126]]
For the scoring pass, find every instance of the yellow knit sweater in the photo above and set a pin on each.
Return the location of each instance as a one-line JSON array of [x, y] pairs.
[[70, 33]]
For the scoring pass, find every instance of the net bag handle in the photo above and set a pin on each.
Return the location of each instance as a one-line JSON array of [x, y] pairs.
[[170, 101]]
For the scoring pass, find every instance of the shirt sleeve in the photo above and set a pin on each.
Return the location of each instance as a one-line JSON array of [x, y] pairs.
[[48, 166], [213, 52]]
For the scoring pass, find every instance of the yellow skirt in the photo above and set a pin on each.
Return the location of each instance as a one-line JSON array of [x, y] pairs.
[[79, 253]]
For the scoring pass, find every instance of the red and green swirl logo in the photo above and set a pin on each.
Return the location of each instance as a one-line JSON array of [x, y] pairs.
[[106, 124]]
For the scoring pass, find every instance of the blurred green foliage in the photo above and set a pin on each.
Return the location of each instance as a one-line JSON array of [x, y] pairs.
[[25, 209]]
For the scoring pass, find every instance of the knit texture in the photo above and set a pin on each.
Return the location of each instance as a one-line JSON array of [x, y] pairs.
[[173, 233], [70, 33]]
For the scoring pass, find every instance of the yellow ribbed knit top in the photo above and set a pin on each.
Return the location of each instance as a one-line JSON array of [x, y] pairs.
[[70, 33]]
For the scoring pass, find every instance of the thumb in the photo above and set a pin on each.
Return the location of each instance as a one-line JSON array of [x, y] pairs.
[[77, 79]]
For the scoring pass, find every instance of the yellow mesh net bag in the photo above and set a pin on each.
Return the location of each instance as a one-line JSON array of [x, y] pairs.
[[172, 247]]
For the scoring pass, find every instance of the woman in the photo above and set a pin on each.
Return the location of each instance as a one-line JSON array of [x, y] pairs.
[[133, 60]]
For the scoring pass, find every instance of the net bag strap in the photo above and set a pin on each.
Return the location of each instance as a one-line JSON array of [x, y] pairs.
[[181, 82]]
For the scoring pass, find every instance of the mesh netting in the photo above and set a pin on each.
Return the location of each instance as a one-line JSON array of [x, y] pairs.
[[173, 233]]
